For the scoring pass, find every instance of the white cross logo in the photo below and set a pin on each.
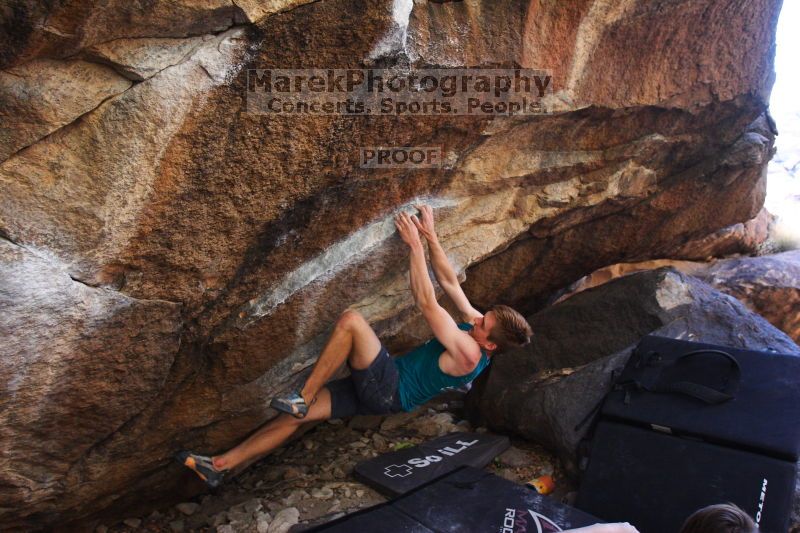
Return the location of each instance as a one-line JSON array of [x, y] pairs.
[[397, 470]]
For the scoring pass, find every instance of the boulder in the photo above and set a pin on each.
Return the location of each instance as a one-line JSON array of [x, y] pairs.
[[546, 391], [261, 230], [606, 274], [583, 44], [769, 285], [558, 250], [103, 168], [257, 10]]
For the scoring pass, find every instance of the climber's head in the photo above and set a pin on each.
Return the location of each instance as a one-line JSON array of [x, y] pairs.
[[501, 329], [720, 518]]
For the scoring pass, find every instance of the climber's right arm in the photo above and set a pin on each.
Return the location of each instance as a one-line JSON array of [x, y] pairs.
[[445, 274]]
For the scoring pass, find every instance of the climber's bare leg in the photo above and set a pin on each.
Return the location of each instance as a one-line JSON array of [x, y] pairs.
[[272, 435], [353, 339]]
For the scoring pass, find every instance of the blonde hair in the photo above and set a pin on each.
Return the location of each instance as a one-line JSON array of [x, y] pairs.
[[511, 329]]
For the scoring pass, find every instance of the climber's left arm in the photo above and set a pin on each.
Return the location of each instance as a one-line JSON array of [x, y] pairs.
[[459, 344]]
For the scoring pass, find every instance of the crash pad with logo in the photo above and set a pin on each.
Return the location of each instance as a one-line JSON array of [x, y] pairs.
[[396, 473], [381, 518], [668, 477], [466, 500]]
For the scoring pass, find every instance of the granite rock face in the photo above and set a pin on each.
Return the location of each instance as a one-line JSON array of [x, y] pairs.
[[584, 44], [33, 29], [558, 250], [754, 237], [78, 363], [141, 177], [39, 97], [769, 285], [545, 391]]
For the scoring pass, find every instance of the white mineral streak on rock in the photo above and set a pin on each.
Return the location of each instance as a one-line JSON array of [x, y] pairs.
[[394, 40], [672, 292], [471, 231], [601, 15], [100, 170], [335, 258], [221, 57], [40, 279], [479, 228]]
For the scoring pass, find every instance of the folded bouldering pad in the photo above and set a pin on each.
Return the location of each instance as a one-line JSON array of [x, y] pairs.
[[396, 473], [383, 518], [464, 501], [655, 480]]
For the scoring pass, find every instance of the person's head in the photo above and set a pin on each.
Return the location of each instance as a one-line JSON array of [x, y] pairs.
[[501, 329], [720, 518]]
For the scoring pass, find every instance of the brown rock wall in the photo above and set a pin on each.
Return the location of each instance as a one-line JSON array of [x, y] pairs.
[[556, 249], [65, 27], [78, 363], [247, 235], [595, 48]]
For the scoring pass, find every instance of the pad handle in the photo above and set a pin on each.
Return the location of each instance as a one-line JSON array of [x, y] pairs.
[[702, 392]]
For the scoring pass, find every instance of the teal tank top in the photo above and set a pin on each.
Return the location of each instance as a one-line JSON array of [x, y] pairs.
[[420, 376]]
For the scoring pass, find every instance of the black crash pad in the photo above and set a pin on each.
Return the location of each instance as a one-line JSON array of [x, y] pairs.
[[762, 416], [466, 500], [654, 480], [381, 518], [396, 473]]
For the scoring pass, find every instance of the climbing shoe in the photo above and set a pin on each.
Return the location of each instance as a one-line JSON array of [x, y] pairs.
[[292, 403], [203, 466]]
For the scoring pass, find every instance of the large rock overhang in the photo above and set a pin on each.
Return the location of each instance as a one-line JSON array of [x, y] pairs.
[[233, 240]]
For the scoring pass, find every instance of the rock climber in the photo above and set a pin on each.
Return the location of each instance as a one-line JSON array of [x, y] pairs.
[[379, 383]]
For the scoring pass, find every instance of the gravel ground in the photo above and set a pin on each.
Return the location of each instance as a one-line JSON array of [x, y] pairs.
[[310, 480]]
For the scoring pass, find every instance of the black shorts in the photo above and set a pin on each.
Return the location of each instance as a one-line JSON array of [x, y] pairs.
[[372, 391]]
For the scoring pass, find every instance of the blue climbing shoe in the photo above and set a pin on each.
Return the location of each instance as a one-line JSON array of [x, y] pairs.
[[292, 403], [203, 466]]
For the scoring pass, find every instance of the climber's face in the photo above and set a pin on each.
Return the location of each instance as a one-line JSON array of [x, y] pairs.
[[482, 328]]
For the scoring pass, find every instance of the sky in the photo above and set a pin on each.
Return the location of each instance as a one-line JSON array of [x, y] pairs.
[[784, 96], [783, 178]]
